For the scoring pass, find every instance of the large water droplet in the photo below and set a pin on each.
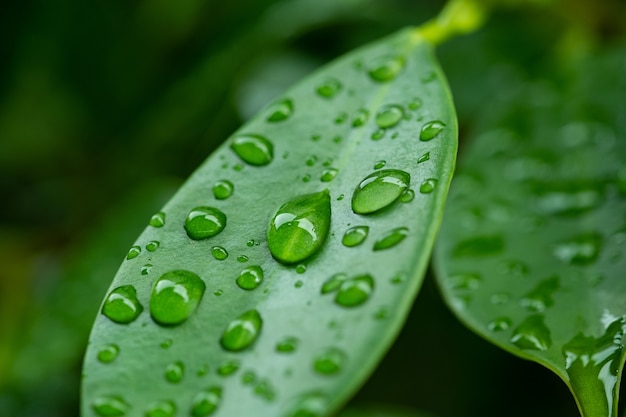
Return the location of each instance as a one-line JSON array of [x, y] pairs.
[[540, 297], [223, 189], [354, 236], [206, 402], [355, 291], [242, 332], [175, 296], [250, 278], [360, 117], [532, 334], [386, 68], [110, 406], [204, 222], [329, 361], [174, 372], [108, 353], [329, 88], [378, 190], [152, 245], [391, 238], [580, 250], [158, 219], [161, 409], [133, 252], [430, 130], [253, 149], [122, 305], [281, 110], [299, 227], [389, 116], [313, 404]]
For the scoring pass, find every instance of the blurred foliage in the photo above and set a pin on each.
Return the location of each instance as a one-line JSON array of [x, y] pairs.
[[107, 106]]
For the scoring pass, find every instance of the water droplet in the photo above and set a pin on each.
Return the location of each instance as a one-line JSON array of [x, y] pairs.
[[311, 160], [316, 138], [306, 178], [428, 186], [378, 134], [250, 278], [248, 378], [238, 167], [329, 361], [265, 390], [301, 268], [500, 324], [313, 404], [500, 298], [382, 313], [152, 245], [288, 344], [174, 372], [175, 296], [108, 353], [242, 332], [206, 402], [540, 297], [253, 149], [122, 305], [428, 76], [158, 219], [328, 162], [398, 278], [328, 175], [515, 269], [329, 88], [465, 281], [407, 196], [250, 243], [166, 343], [378, 190], [218, 293], [298, 284], [219, 253], [479, 246], [337, 139], [359, 118], [430, 130], [355, 291], [299, 227], [354, 236], [242, 258], [580, 250], [133, 252], [161, 409], [204, 222], [281, 110], [389, 116], [341, 117], [424, 158], [341, 197], [223, 189], [415, 104], [567, 199], [391, 238], [380, 164], [110, 406], [333, 283], [204, 369], [532, 334], [229, 367], [386, 68]]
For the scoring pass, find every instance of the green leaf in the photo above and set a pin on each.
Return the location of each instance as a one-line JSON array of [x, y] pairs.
[[531, 253], [382, 411], [256, 335]]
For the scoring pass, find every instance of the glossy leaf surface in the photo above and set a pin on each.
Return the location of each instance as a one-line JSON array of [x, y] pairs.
[[271, 343]]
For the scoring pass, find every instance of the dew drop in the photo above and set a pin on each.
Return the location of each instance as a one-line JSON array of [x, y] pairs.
[[428, 186], [407, 196], [166, 344], [229, 367], [174, 372], [218, 293], [250, 278], [298, 284], [341, 117], [415, 104], [580, 250], [158, 219], [108, 353], [430, 130], [428, 77], [110, 406], [540, 297], [423, 158], [242, 332], [253, 149], [161, 409], [248, 378], [567, 199], [354, 236], [299, 227], [223, 189], [329, 361], [219, 253], [391, 238], [152, 245], [242, 258], [206, 402], [355, 291], [379, 190], [380, 164], [311, 160], [500, 324], [204, 222], [464, 281], [133, 252], [122, 305], [389, 116], [360, 117], [378, 134], [250, 243], [301, 269], [306, 178], [288, 344], [329, 88], [333, 283], [313, 404], [175, 296], [386, 68], [532, 334], [329, 174], [281, 110], [265, 390]]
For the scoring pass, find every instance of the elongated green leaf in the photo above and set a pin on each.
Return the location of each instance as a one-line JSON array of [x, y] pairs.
[[258, 290], [531, 254]]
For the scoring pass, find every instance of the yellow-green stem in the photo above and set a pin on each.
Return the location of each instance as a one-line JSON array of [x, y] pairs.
[[458, 17]]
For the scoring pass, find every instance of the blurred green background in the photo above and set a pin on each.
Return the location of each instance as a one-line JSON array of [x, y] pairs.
[[107, 106]]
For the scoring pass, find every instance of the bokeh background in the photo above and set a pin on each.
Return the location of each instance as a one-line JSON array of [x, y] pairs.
[[107, 106]]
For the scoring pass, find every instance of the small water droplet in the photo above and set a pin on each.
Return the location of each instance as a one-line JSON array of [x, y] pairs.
[[428, 186], [341, 117], [110, 406], [301, 269], [386, 68], [341, 197], [299, 227], [122, 305], [250, 278], [228, 367], [532, 334], [157, 219], [415, 104], [329, 88], [465, 281], [398, 278], [378, 134], [360, 117], [389, 116], [313, 404], [580, 250], [298, 284], [540, 297], [333, 283], [108, 353], [204, 369], [250, 243], [306, 178], [218, 293], [407, 196], [328, 162], [329, 174], [242, 332], [175, 296], [133, 252], [382, 313], [329, 361], [248, 378], [316, 138], [430, 130], [378, 190], [337, 139], [238, 167], [500, 298], [311, 160], [391, 238], [204, 222], [161, 409], [428, 76], [167, 343], [265, 390], [152, 245], [281, 110], [145, 270], [253, 149], [354, 236], [174, 372], [288, 344], [380, 164], [242, 258], [219, 253], [355, 291], [424, 158], [500, 324], [206, 402], [223, 189]]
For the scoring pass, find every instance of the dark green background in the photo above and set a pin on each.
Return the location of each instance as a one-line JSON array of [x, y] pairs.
[[107, 106]]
